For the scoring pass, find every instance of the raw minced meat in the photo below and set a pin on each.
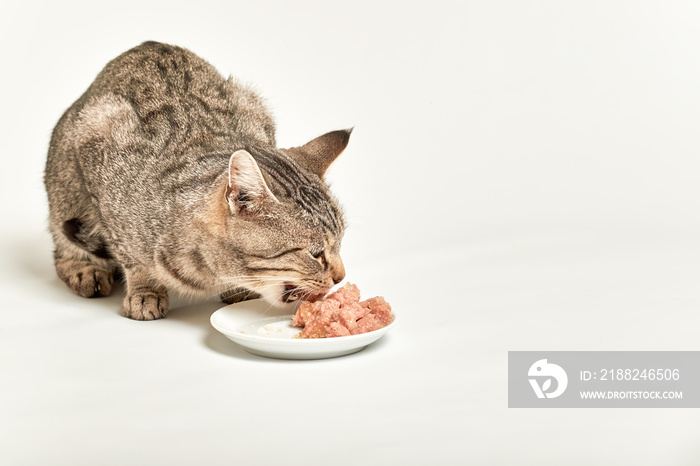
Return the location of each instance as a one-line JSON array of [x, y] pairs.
[[341, 314]]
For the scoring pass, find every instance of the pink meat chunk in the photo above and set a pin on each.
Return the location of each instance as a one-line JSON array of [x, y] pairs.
[[341, 314], [303, 314], [380, 309], [335, 329], [349, 293], [368, 323], [357, 311]]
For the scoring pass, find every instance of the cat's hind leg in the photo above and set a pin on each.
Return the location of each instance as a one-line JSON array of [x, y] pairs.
[[81, 257], [85, 278], [85, 273]]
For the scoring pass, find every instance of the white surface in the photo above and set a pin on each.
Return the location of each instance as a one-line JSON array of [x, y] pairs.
[[522, 176], [267, 331]]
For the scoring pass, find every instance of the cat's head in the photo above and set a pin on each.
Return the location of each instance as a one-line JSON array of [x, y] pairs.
[[283, 222]]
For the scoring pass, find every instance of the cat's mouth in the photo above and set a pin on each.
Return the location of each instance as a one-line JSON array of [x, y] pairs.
[[293, 293]]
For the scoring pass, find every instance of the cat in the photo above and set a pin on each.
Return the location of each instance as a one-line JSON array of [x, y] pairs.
[[167, 175]]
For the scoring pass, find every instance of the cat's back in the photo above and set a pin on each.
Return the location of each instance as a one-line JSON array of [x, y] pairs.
[[153, 75], [182, 99], [173, 98]]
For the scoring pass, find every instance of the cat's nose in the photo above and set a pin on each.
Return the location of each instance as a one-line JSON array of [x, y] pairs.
[[338, 270]]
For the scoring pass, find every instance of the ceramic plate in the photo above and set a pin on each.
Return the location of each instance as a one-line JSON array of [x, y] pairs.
[[268, 331]]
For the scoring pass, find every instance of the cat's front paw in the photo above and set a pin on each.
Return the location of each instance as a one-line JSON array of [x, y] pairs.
[[145, 306]]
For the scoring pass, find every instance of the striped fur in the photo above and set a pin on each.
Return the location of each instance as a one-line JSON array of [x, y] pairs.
[[304, 188], [141, 180]]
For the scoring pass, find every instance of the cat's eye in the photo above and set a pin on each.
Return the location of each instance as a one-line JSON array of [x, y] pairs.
[[320, 256]]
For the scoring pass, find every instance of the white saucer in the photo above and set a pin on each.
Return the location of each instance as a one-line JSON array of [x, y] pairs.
[[267, 331]]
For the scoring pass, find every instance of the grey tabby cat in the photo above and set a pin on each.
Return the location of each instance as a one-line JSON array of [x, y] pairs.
[[168, 174]]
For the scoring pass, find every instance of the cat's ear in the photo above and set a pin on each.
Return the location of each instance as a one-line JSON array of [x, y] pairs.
[[318, 154], [247, 191]]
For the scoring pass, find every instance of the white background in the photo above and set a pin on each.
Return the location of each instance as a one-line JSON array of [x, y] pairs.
[[522, 176]]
